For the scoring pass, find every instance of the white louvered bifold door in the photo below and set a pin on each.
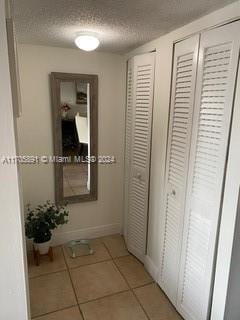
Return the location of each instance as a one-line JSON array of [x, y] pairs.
[[179, 137], [128, 141], [218, 58], [140, 153]]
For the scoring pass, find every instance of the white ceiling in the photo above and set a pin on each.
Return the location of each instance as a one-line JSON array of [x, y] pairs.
[[121, 24]]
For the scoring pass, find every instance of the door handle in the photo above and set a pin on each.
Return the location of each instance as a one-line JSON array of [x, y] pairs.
[[173, 192]]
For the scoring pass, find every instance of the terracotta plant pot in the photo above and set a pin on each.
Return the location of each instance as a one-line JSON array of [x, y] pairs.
[[42, 247]]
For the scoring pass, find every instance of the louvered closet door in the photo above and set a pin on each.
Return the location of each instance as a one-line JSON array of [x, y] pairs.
[[179, 136], [140, 153], [128, 141], [218, 58]]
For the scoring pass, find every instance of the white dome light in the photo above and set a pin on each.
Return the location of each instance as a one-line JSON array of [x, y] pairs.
[[87, 42]]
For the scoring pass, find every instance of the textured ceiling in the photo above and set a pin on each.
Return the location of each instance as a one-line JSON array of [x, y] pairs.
[[121, 24]]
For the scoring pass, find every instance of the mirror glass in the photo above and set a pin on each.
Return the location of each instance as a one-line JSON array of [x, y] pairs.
[[75, 136], [75, 125]]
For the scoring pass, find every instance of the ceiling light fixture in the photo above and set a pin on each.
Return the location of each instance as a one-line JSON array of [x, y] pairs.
[[87, 42]]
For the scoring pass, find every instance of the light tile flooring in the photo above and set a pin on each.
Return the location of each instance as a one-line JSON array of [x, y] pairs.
[[75, 178], [109, 285]]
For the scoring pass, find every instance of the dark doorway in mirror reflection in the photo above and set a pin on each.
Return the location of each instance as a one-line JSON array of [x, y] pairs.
[[70, 140]]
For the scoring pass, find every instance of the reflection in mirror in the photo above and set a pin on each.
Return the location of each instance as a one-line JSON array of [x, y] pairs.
[[74, 100], [75, 112]]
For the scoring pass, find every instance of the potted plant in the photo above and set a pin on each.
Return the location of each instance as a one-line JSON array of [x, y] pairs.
[[41, 221]]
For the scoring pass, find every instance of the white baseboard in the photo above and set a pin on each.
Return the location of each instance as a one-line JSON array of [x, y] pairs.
[[151, 267], [88, 233]]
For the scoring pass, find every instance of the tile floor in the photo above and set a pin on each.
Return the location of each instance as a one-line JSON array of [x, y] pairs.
[[75, 178], [109, 285]]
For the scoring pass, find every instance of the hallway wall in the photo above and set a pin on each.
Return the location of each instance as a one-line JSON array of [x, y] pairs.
[[14, 302], [35, 134]]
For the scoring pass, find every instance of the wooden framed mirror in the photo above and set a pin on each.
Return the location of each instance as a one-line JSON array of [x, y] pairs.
[[75, 134]]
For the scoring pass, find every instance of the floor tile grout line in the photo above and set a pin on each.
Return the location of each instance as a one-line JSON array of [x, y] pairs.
[[68, 269], [58, 310], [143, 285], [148, 317], [109, 252], [89, 301], [115, 293], [106, 247], [113, 259], [102, 297], [105, 296], [47, 274], [81, 313], [123, 274], [87, 264], [75, 267], [131, 289]]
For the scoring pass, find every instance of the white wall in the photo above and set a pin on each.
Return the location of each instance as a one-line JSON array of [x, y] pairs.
[[164, 51], [35, 133], [13, 278]]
